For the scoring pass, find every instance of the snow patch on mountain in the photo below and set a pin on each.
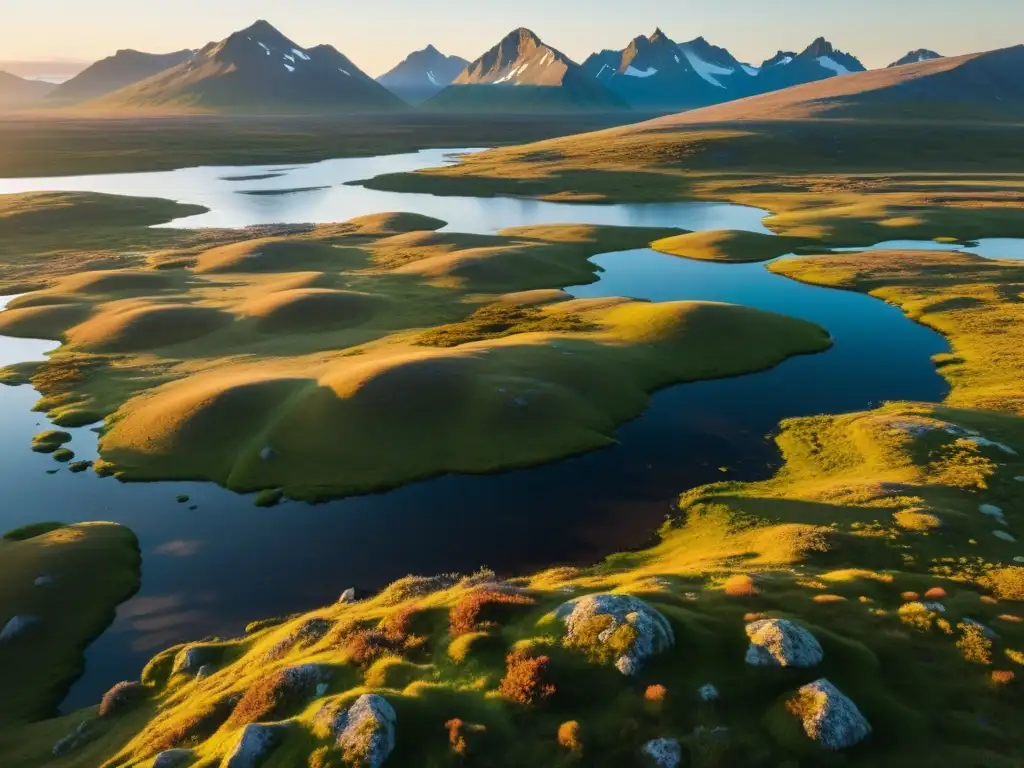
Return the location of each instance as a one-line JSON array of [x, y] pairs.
[[830, 63], [752, 71], [634, 72], [706, 69]]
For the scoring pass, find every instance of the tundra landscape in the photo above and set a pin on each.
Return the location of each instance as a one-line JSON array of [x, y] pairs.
[[657, 408]]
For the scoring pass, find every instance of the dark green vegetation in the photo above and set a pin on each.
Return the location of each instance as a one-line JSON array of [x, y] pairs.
[[41, 145], [65, 580]]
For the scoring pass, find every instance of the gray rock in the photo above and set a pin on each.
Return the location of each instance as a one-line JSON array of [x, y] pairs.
[[348, 596], [1004, 536], [255, 743], [830, 718], [653, 632], [520, 402], [1018, 559], [267, 454], [664, 753], [935, 607], [993, 511], [191, 658], [82, 734], [16, 626], [172, 758], [367, 729], [782, 643], [205, 671], [1019, 478], [44, 580], [708, 692]]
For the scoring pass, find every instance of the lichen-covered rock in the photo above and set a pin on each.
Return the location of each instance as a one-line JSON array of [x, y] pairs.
[[366, 730], [994, 512], [173, 758], [120, 697], [191, 658], [348, 596], [653, 632], [255, 743], [16, 626], [664, 753], [829, 717], [307, 633], [205, 671], [782, 643]]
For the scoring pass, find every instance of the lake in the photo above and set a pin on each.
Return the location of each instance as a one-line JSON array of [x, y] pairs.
[[210, 570]]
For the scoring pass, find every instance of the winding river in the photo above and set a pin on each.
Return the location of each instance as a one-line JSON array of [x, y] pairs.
[[209, 570]]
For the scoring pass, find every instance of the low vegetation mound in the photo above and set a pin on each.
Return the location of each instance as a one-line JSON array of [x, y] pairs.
[[141, 326], [310, 310]]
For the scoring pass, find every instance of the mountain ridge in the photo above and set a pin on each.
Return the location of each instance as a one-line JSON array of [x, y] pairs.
[[422, 74]]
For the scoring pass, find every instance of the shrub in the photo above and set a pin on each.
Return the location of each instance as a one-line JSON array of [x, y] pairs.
[[936, 593], [570, 736], [1006, 583], [1015, 656], [741, 586], [270, 698], [122, 696], [973, 644], [1002, 677], [470, 613], [366, 645], [524, 680], [918, 616], [462, 735], [910, 596], [321, 758], [656, 693]]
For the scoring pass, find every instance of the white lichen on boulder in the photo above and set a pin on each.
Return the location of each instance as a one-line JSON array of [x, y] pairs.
[[366, 730], [653, 633], [191, 658], [782, 643], [664, 753], [829, 717]]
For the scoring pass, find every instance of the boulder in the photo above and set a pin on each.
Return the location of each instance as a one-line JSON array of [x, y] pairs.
[[82, 734], [172, 758], [44, 580], [664, 753], [829, 717], [1004, 536], [653, 632], [255, 743], [782, 643], [266, 454], [348, 596], [994, 512], [16, 626], [205, 671], [191, 658], [367, 730]]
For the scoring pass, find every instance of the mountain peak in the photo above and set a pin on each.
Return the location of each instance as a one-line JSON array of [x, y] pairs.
[[657, 35], [259, 27], [916, 57], [820, 47], [430, 49]]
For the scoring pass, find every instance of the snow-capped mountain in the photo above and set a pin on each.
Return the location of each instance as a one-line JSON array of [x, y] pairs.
[[916, 57], [114, 72], [16, 92], [521, 72], [422, 74], [657, 73], [259, 69], [820, 60]]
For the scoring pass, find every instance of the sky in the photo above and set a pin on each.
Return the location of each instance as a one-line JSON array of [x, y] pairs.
[[376, 34]]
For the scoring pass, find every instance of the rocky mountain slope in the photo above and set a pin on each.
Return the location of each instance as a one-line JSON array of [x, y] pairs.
[[122, 69], [422, 74], [258, 70], [522, 73], [916, 57]]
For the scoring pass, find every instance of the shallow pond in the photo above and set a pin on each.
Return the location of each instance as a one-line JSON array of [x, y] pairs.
[[209, 570]]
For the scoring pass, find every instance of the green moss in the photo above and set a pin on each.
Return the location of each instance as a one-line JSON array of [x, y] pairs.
[[730, 245], [496, 321], [269, 497], [79, 466], [50, 441], [31, 530]]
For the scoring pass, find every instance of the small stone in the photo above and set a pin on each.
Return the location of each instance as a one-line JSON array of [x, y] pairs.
[[321, 690], [267, 454], [348, 596], [367, 730], [829, 717], [257, 740], [664, 753], [16, 626], [936, 607], [205, 671], [708, 692], [993, 511], [782, 643], [1004, 536], [44, 580], [520, 402], [172, 758]]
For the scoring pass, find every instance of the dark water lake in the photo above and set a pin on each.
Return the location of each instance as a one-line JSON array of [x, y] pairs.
[[210, 570]]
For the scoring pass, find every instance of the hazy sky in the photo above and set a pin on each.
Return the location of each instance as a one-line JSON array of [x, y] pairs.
[[378, 33]]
